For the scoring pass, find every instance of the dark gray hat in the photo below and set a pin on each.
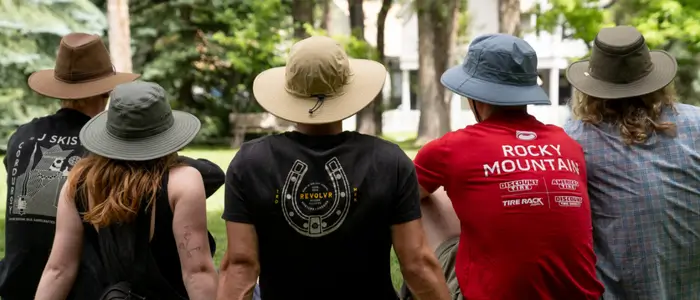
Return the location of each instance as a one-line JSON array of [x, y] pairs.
[[139, 125], [621, 66], [499, 69]]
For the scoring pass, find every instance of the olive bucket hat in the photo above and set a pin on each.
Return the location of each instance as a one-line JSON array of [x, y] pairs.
[[139, 125], [621, 66], [499, 69]]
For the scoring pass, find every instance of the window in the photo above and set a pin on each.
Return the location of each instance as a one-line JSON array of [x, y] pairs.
[[527, 22]]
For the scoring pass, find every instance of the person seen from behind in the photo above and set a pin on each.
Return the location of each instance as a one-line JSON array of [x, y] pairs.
[[314, 212], [517, 186], [41, 152], [643, 160], [142, 210]]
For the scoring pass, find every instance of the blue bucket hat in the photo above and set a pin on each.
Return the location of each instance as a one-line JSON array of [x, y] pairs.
[[499, 69]]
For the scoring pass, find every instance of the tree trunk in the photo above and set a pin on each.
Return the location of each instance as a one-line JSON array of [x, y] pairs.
[[378, 104], [302, 13], [436, 20], [509, 20], [119, 35], [326, 15], [364, 120]]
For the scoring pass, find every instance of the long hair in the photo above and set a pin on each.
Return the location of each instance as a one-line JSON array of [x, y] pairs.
[[637, 118], [113, 190]]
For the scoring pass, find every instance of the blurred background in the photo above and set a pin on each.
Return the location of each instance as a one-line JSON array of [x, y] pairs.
[[206, 53]]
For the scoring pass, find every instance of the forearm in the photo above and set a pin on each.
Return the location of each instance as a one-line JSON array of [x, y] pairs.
[[201, 285], [55, 283], [237, 282], [426, 280]]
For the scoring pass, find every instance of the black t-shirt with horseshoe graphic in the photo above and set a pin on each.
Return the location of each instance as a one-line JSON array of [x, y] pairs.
[[322, 207]]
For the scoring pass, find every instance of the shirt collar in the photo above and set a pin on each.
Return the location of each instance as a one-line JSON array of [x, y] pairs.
[[73, 115]]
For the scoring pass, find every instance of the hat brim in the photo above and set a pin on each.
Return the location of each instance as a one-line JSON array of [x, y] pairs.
[[459, 82], [96, 139], [44, 83], [665, 68], [366, 82]]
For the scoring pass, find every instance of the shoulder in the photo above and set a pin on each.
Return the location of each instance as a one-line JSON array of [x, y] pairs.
[[377, 143], [383, 150], [685, 113], [443, 145], [576, 129], [255, 149], [26, 131], [181, 179]]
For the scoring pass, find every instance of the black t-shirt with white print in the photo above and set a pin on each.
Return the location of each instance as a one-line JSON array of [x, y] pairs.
[[322, 207], [39, 156]]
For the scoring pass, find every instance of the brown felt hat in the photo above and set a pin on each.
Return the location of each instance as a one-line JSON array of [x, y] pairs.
[[83, 69], [621, 66], [319, 84]]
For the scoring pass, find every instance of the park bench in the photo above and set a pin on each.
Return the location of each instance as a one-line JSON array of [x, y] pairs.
[[255, 123]]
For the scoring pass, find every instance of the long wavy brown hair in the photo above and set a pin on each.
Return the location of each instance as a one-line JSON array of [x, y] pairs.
[[637, 117], [114, 190]]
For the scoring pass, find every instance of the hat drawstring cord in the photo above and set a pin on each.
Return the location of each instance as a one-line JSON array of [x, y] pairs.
[[318, 104]]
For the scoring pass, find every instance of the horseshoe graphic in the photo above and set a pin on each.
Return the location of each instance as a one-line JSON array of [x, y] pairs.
[[324, 221]]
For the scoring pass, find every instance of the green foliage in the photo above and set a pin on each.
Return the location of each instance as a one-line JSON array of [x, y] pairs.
[[583, 16], [29, 34], [354, 47], [206, 54]]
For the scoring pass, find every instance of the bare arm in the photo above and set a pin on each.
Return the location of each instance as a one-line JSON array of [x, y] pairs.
[[62, 268], [439, 220], [239, 268], [190, 231], [419, 267], [424, 193]]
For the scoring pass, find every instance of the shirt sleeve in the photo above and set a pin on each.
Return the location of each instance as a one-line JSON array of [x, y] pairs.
[[431, 166], [212, 175], [406, 203], [236, 204]]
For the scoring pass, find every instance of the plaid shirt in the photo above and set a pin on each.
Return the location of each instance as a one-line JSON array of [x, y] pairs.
[[645, 201]]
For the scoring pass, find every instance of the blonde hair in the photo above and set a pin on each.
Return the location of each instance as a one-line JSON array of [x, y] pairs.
[[637, 117], [113, 190]]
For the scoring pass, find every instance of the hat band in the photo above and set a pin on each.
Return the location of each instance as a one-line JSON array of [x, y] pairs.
[[620, 68], [497, 76], [332, 93], [82, 77], [120, 132]]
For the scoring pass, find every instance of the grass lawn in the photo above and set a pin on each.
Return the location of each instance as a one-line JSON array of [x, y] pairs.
[[215, 206]]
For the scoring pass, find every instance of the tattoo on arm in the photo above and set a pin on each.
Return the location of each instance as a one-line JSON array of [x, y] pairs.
[[184, 244]]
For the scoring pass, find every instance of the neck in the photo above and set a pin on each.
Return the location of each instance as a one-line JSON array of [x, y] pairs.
[[90, 112], [486, 111], [89, 106], [321, 129]]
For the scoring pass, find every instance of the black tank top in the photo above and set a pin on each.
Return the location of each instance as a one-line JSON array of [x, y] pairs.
[[163, 246]]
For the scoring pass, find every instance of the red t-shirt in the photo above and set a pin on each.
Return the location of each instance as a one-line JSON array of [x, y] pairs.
[[519, 189]]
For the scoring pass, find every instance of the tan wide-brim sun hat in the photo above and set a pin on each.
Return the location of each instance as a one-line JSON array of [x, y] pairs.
[[319, 84], [83, 70], [622, 66]]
